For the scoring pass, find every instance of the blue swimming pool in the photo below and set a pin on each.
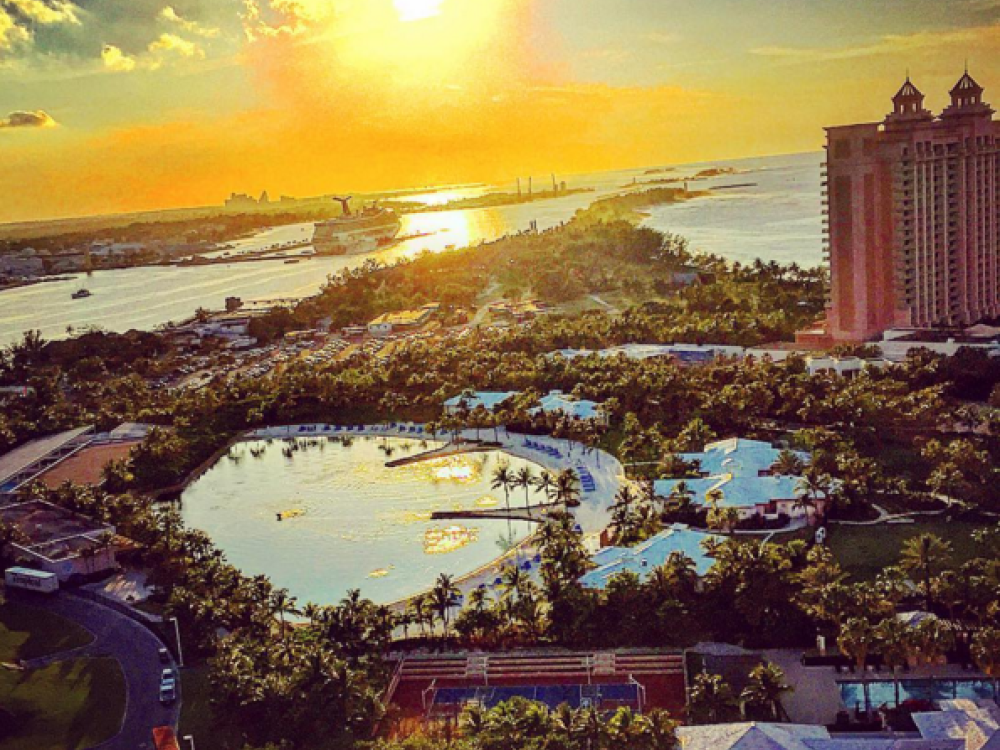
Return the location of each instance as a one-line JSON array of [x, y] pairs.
[[883, 691]]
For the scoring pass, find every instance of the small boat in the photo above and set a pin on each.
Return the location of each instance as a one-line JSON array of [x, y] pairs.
[[81, 294], [290, 262]]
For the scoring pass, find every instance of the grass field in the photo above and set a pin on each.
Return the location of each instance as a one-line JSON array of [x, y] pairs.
[[66, 706], [197, 718], [28, 633], [865, 551]]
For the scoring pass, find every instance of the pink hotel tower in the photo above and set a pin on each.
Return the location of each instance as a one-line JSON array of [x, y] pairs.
[[913, 208]]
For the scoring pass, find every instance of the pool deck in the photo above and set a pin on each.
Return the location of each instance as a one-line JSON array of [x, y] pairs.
[[592, 515]]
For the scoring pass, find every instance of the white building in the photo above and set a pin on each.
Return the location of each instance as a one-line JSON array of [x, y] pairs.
[[644, 558], [743, 471], [559, 402], [489, 400], [764, 736]]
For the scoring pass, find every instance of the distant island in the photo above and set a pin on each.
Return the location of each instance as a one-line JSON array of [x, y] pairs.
[[489, 200], [626, 207]]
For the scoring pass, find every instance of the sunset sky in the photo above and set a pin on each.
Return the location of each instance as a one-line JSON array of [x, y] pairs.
[[115, 105]]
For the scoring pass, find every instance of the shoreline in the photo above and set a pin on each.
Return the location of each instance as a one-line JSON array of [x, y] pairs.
[[592, 515]]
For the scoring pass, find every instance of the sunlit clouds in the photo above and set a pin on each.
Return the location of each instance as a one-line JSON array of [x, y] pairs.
[[36, 119], [166, 103]]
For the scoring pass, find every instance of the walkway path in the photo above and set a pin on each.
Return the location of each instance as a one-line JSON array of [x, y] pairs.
[[136, 649]]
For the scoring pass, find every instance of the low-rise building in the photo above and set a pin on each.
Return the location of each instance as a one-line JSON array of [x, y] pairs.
[[470, 401], [644, 558], [574, 408], [741, 474], [60, 541], [402, 321]]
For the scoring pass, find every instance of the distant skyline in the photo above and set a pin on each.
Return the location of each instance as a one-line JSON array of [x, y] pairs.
[[110, 106]]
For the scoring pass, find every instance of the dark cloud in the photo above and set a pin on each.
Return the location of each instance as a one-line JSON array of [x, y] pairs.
[[36, 119], [128, 25]]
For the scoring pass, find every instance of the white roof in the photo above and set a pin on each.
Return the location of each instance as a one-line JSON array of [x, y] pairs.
[[489, 400], [737, 492], [879, 743], [647, 351], [557, 401], [734, 466], [761, 736], [21, 458], [957, 723], [750, 736], [644, 558]]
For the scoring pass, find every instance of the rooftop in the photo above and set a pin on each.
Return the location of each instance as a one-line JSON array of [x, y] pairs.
[[557, 401], [644, 558], [27, 456], [489, 400]]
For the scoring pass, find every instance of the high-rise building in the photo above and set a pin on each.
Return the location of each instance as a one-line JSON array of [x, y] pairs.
[[913, 218]]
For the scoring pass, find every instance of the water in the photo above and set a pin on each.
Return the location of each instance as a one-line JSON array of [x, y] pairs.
[[362, 525], [884, 692], [776, 219]]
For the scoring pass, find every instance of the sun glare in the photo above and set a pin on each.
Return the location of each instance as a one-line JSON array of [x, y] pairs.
[[417, 10]]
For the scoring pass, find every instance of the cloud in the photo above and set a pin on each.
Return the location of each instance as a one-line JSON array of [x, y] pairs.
[[116, 60], [159, 51], [895, 44], [170, 15], [19, 17], [274, 18], [46, 12], [36, 119], [171, 44], [11, 34]]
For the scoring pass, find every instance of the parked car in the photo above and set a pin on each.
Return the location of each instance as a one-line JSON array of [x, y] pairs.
[[168, 693], [164, 656]]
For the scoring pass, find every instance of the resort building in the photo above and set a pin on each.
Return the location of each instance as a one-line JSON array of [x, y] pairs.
[[59, 541], [685, 354], [644, 558], [23, 465], [847, 367], [764, 736], [472, 400], [402, 321], [574, 408], [743, 472], [913, 207]]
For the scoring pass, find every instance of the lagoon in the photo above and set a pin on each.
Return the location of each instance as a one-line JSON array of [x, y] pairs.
[[348, 520]]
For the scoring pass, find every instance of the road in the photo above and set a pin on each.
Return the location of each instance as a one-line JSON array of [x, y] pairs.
[[137, 651]]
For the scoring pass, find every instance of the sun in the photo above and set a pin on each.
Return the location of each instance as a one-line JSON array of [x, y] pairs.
[[417, 10]]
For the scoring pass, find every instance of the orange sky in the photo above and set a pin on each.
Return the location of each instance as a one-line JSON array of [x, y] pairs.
[[313, 96]]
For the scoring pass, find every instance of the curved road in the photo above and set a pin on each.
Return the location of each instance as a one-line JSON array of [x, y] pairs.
[[137, 651]]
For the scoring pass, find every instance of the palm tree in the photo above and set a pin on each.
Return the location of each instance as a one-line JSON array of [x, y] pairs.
[[282, 603], [933, 638], [856, 639], [765, 687], [789, 464], [443, 597], [986, 654], [894, 642], [567, 490], [545, 483], [710, 697], [503, 479], [922, 557], [525, 478]]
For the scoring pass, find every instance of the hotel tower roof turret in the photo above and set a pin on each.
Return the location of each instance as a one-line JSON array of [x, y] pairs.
[[912, 211]]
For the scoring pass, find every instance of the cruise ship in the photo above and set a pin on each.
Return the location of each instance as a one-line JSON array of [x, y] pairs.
[[356, 233]]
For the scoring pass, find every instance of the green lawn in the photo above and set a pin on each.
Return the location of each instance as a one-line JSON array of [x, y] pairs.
[[865, 551], [65, 706], [197, 717], [28, 633]]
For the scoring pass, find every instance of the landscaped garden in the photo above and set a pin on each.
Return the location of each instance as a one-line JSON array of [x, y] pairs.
[[77, 703]]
